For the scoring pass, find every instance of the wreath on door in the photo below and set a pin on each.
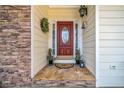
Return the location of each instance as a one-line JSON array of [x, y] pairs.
[[44, 25]]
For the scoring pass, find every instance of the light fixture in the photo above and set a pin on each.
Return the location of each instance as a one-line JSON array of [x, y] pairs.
[[83, 10], [84, 24]]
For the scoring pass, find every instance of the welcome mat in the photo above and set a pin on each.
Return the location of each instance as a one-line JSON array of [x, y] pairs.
[[64, 66]]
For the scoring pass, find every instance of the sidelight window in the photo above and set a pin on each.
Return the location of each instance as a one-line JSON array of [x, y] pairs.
[[53, 38], [76, 36]]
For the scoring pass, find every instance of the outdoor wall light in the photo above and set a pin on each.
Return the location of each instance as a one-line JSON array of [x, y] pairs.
[[84, 24], [83, 10]]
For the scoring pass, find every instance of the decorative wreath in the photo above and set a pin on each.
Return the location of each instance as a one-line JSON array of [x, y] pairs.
[[44, 25]]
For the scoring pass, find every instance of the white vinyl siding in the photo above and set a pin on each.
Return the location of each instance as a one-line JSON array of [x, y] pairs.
[[111, 46], [39, 40], [89, 40]]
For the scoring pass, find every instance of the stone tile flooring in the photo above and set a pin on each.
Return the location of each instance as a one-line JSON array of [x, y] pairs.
[[75, 77], [54, 73]]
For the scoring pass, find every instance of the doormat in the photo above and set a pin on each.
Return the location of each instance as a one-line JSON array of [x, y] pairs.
[[64, 66]]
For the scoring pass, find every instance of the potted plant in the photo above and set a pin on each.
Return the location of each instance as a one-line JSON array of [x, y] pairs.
[[77, 57], [50, 56]]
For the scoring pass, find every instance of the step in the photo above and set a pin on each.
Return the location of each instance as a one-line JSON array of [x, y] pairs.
[[64, 61], [64, 57]]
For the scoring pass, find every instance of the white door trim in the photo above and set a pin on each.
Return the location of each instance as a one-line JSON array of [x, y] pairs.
[[79, 35]]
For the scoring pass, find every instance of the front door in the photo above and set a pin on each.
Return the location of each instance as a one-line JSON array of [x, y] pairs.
[[65, 38]]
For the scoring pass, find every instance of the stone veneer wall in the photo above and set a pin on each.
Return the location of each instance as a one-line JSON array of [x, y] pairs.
[[15, 45]]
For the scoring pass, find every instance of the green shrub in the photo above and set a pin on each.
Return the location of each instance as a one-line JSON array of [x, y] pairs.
[[78, 56]]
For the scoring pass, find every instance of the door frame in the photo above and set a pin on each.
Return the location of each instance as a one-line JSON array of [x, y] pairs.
[[70, 23], [80, 45]]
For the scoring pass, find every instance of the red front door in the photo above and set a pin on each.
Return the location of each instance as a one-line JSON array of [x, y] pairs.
[[65, 38]]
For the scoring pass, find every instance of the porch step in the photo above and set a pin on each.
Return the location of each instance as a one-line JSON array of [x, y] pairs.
[[64, 57], [64, 61]]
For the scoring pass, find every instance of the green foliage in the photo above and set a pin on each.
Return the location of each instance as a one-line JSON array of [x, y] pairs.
[[50, 56], [44, 25], [78, 56]]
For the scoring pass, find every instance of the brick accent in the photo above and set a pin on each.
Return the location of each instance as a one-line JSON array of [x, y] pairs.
[[15, 46]]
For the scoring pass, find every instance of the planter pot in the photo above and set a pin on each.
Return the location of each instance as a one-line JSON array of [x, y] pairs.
[[50, 62], [82, 64], [78, 62]]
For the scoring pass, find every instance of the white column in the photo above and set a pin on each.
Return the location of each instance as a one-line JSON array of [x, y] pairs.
[[51, 35], [55, 22], [80, 39], [74, 38]]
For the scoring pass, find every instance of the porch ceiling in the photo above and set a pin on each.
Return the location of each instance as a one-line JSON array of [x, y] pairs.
[[64, 6]]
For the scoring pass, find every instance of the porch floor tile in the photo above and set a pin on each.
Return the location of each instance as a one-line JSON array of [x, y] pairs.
[[74, 73]]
